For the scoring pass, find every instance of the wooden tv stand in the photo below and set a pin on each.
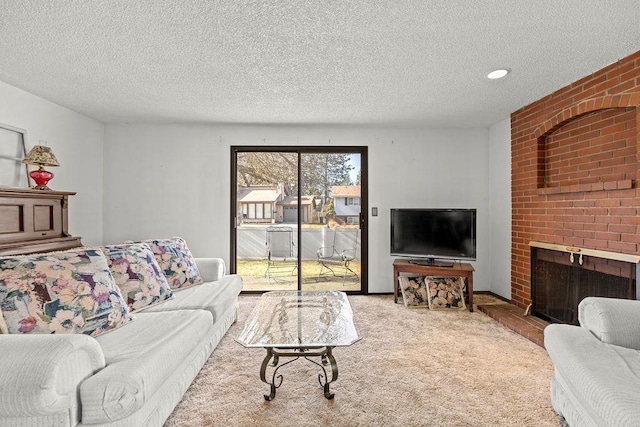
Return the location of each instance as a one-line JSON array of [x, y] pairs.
[[459, 269]]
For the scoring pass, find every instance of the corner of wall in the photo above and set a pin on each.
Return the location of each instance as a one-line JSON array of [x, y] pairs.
[[500, 208]]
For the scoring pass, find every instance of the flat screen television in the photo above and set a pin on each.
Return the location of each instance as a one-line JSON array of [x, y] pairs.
[[427, 235]]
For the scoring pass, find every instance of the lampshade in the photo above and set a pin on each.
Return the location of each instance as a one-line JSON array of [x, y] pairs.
[[42, 156]]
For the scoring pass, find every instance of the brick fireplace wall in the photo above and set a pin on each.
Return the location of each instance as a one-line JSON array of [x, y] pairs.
[[575, 168]]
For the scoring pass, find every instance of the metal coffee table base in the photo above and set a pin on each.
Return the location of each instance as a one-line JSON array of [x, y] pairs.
[[326, 359]]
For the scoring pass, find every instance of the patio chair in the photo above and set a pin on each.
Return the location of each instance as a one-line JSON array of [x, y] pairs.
[[337, 260], [282, 257]]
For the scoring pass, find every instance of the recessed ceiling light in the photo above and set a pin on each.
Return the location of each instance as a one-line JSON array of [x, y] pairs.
[[498, 74]]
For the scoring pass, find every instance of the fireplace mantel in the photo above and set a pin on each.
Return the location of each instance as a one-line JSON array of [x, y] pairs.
[[633, 259]]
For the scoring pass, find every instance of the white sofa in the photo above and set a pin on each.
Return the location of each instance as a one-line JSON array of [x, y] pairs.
[[132, 376], [596, 380]]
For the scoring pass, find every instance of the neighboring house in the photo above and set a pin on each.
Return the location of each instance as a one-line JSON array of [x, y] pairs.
[[346, 203], [267, 204], [288, 209], [257, 203]]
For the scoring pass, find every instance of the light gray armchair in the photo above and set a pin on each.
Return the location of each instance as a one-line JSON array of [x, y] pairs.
[[596, 380]]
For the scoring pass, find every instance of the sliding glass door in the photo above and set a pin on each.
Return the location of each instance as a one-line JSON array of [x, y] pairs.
[[297, 218]]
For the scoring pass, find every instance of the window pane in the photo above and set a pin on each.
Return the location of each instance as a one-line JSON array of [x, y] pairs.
[[265, 252]]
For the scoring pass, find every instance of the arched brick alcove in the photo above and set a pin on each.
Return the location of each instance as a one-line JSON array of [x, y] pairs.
[[589, 145], [627, 100]]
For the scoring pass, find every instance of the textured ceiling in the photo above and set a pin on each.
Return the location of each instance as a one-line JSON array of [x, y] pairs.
[[371, 62]]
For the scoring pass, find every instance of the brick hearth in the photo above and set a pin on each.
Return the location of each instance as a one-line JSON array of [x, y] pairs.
[[513, 317]]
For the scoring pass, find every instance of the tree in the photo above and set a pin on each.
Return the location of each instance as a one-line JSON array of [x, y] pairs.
[[330, 210], [320, 171], [268, 168]]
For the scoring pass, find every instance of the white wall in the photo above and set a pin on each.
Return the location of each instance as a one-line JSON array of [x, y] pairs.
[[77, 142], [500, 207], [166, 180]]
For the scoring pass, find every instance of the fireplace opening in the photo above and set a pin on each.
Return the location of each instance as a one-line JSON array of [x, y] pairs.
[[562, 277]]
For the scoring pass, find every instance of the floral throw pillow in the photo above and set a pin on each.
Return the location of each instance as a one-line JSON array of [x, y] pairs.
[[176, 261], [60, 293], [137, 274]]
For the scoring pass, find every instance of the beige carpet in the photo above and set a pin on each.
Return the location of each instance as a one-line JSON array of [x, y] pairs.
[[413, 367]]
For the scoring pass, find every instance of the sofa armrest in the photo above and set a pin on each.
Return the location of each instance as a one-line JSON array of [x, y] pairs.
[[211, 269], [41, 374], [612, 320]]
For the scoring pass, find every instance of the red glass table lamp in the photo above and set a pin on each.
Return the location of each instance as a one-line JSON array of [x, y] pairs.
[[41, 156]]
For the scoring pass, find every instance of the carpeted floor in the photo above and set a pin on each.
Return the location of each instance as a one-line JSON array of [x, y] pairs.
[[413, 367]]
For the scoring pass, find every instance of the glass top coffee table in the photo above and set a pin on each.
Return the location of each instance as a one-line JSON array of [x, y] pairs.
[[300, 324]]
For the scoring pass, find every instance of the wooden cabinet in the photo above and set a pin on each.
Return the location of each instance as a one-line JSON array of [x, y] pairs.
[[34, 221]]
